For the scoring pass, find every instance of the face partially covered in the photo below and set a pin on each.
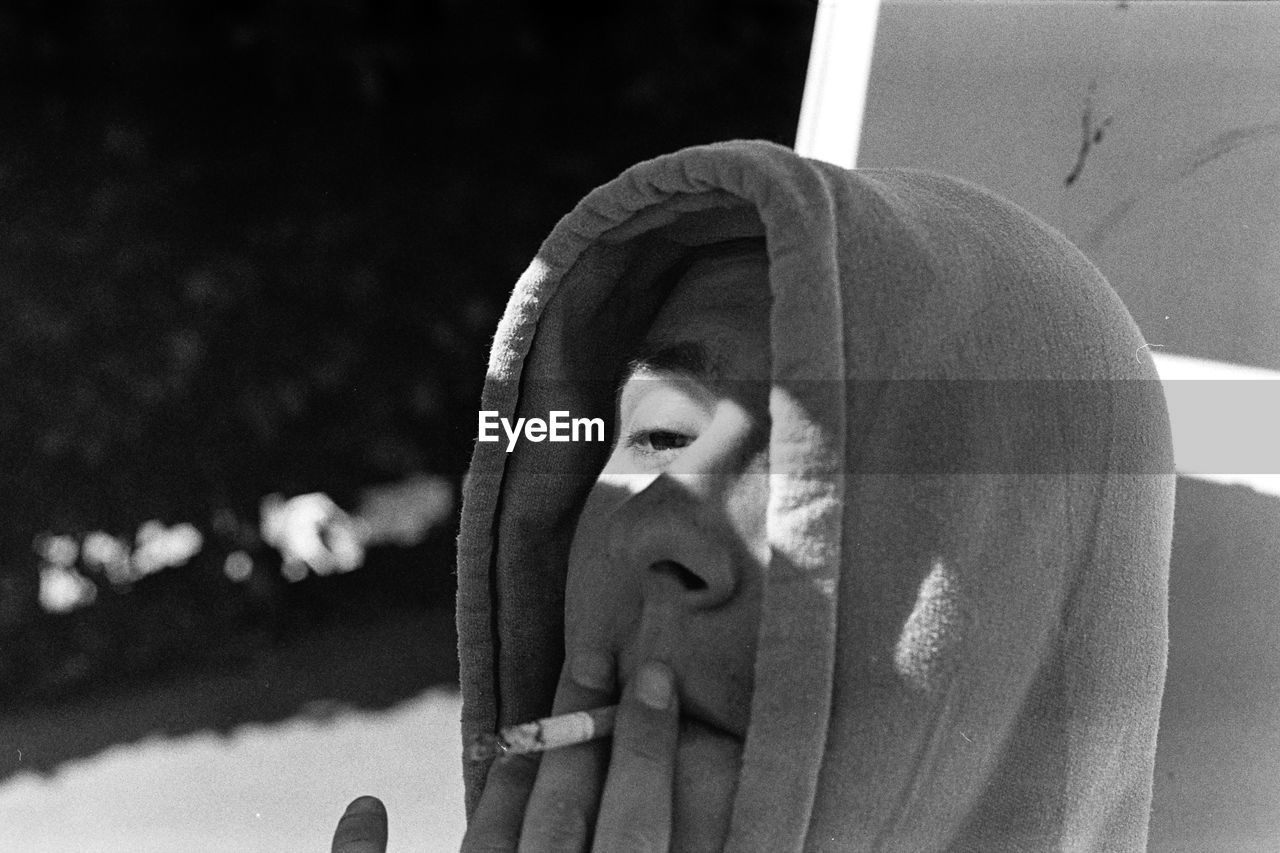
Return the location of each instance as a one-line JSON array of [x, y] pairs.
[[668, 554]]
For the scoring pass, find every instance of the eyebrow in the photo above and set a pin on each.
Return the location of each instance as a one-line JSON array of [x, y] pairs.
[[689, 357]]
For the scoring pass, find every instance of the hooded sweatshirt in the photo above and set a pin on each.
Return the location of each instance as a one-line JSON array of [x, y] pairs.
[[963, 624]]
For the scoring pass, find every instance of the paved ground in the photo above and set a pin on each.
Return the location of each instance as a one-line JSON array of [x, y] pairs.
[[260, 758], [270, 788]]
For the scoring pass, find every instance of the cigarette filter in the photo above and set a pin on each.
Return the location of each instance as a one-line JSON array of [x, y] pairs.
[[544, 734]]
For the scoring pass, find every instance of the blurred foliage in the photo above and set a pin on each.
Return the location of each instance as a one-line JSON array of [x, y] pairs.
[[257, 247]]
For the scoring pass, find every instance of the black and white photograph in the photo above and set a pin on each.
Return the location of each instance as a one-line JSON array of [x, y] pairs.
[[838, 426]]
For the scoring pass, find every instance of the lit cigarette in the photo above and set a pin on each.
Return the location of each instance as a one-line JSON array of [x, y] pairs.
[[544, 734]]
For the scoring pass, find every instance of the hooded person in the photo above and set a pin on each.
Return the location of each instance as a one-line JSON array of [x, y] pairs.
[[890, 497]]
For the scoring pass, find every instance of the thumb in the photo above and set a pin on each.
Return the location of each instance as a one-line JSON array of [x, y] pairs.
[[363, 828]]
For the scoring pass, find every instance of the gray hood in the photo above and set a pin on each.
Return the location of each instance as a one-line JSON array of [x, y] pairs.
[[962, 642]]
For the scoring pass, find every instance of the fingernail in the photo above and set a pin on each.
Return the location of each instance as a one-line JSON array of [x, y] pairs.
[[653, 685], [593, 670]]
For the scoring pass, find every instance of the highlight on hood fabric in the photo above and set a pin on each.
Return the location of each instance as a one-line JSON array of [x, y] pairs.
[[963, 629]]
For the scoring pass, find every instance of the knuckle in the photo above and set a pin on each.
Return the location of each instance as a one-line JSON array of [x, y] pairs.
[[487, 844], [513, 769], [652, 744], [485, 838], [559, 825], [636, 838]]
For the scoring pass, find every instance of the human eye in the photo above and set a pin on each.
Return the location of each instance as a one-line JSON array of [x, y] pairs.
[[653, 442], [658, 419]]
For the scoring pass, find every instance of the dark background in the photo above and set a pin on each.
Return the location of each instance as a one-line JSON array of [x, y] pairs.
[[261, 247]]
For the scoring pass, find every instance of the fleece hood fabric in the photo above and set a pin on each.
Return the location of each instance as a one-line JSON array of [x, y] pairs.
[[963, 629]]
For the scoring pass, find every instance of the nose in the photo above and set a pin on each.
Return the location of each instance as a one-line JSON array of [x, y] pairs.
[[676, 537]]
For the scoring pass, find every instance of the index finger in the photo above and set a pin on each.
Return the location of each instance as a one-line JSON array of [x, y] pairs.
[[495, 826], [562, 807]]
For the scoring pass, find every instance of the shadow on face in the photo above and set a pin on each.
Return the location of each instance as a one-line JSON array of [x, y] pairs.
[[668, 553]]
